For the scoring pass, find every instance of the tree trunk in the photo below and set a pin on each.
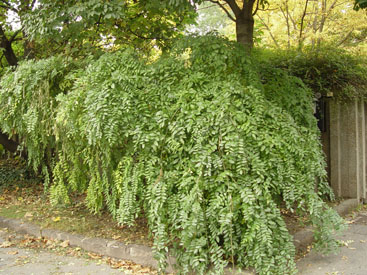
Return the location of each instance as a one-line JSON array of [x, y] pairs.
[[244, 20], [245, 24], [245, 31], [8, 50], [7, 143], [12, 60]]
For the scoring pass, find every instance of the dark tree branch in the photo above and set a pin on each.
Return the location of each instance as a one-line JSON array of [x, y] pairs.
[[234, 7], [32, 4], [257, 7], [345, 38], [303, 19], [14, 36], [325, 15], [8, 6], [224, 8]]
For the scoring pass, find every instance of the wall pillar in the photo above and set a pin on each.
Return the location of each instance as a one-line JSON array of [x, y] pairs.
[[348, 149]]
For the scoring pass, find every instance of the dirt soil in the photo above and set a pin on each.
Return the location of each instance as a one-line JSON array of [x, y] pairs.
[[23, 198]]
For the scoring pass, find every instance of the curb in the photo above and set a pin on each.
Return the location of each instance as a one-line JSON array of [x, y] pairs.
[[142, 254], [139, 254]]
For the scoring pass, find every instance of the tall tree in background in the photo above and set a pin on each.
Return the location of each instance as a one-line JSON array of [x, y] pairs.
[[243, 15], [291, 24]]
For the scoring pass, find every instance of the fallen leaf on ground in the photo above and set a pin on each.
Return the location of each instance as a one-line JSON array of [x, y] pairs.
[[94, 256], [6, 244], [56, 219], [28, 215], [12, 253], [145, 270], [65, 243]]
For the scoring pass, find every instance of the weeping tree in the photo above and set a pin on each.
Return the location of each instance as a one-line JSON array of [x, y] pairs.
[[202, 142]]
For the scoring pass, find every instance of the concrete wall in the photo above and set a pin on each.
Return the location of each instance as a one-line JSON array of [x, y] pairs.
[[348, 149]]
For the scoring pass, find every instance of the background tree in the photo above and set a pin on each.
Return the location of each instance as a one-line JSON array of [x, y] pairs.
[[313, 23], [242, 13]]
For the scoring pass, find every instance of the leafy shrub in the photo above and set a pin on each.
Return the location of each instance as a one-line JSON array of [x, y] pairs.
[[197, 143]]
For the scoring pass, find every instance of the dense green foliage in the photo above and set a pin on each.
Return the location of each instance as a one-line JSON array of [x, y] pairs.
[[82, 27], [324, 70], [200, 142]]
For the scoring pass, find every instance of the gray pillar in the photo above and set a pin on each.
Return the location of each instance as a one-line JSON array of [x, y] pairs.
[[348, 149]]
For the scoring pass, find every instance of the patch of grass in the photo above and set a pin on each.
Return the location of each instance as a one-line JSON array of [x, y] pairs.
[[12, 212]]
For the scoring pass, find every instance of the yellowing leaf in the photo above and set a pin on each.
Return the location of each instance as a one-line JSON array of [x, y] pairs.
[[56, 219]]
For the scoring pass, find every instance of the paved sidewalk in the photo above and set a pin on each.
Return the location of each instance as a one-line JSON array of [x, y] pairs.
[[19, 261], [352, 258]]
